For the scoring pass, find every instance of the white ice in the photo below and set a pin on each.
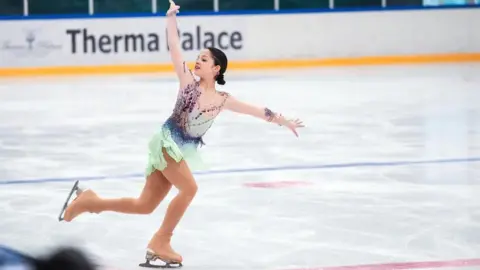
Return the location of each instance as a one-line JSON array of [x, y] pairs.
[[71, 128]]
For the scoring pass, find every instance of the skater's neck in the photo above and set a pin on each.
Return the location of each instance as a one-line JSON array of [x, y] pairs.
[[208, 86]]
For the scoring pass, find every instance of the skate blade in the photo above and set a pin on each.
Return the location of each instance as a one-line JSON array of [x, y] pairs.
[[76, 189], [150, 256], [147, 264]]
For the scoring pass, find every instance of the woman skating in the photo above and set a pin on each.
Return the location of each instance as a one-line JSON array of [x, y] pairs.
[[173, 149]]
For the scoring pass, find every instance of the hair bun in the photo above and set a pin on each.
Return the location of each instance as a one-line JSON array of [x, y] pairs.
[[220, 79]]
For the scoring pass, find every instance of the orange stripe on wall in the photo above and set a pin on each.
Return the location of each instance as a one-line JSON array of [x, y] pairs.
[[239, 65]]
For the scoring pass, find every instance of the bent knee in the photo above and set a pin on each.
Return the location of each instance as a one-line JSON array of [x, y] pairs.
[[190, 190]]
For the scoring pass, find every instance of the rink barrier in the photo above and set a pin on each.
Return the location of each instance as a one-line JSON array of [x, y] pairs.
[[118, 45], [155, 12], [243, 65]]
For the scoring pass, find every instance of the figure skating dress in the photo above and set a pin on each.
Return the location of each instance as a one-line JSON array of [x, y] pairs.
[[182, 133]]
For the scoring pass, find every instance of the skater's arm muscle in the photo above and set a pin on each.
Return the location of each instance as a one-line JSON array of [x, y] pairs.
[[235, 105], [179, 64]]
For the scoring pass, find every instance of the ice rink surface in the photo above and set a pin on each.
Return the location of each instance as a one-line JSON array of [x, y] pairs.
[[386, 171]]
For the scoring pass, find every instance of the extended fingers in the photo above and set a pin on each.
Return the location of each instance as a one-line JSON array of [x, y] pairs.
[[297, 122], [173, 7]]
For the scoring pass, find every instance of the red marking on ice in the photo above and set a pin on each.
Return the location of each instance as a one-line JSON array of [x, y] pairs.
[[405, 265], [278, 184]]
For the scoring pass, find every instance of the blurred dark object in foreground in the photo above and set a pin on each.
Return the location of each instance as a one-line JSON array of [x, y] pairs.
[[60, 259]]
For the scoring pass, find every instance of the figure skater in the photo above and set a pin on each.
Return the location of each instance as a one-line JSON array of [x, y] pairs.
[[173, 148]]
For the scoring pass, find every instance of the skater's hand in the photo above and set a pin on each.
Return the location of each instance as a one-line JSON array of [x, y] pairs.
[[174, 9], [291, 124]]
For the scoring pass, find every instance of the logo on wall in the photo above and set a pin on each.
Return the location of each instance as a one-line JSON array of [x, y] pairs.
[[32, 45], [86, 41]]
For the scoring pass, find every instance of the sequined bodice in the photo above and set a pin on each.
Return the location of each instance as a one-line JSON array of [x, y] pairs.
[[190, 120]]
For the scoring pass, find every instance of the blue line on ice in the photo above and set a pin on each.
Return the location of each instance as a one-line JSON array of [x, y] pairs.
[[247, 170]]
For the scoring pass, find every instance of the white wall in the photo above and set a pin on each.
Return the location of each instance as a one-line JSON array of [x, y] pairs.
[[248, 37]]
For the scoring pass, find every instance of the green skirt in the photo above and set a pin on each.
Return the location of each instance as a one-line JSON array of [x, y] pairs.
[[185, 151]]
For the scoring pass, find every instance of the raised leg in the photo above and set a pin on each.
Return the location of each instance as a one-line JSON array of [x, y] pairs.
[[155, 190]]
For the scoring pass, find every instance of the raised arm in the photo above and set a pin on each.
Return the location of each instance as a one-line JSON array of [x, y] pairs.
[[181, 69], [235, 105]]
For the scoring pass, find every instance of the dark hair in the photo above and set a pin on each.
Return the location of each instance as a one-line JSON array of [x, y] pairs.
[[221, 60], [65, 258]]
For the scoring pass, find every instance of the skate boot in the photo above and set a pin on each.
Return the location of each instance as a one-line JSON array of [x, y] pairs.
[[84, 202], [162, 252]]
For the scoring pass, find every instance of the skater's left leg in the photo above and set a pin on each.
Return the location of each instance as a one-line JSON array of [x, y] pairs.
[[179, 174]]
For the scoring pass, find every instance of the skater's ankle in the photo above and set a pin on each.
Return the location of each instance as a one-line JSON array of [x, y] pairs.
[[163, 235], [160, 240]]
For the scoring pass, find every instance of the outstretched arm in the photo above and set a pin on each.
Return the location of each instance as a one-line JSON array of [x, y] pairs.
[[181, 69], [235, 105]]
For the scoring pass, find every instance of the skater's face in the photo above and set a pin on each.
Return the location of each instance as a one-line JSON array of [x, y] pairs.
[[205, 65]]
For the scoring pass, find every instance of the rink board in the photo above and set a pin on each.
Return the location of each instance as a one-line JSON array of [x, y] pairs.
[[138, 44]]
